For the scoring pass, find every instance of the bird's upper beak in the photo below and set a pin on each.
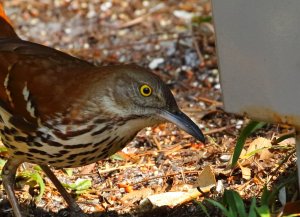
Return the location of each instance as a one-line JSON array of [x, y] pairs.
[[183, 122]]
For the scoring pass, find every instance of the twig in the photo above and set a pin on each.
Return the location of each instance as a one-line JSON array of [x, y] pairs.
[[192, 109], [164, 176], [218, 130], [156, 143], [114, 169], [132, 22], [123, 167], [200, 56], [141, 18], [210, 101], [167, 151], [282, 163]]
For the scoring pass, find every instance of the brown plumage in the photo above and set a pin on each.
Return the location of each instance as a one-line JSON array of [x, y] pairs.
[[58, 110]]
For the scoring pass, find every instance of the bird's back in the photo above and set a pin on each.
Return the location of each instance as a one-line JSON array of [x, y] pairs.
[[37, 125], [39, 75]]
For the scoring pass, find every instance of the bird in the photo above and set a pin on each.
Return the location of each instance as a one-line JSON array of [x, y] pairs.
[[60, 111]]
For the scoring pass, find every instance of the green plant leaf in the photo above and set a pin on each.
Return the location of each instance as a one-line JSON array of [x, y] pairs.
[[3, 148], [203, 208], [239, 204], [263, 211], [234, 202], [252, 211], [220, 206], [265, 197], [37, 168], [284, 137], [79, 186], [252, 153], [231, 212], [69, 171], [200, 19], [37, 179], [246, 132], [228, 201], [117, 157], [2, 162]]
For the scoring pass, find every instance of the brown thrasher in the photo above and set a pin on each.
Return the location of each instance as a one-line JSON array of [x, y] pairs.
[[58, 110]]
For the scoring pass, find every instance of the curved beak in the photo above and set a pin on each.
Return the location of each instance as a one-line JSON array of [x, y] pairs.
[[183, 122]]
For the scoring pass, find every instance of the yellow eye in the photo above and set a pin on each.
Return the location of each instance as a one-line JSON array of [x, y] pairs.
[[145, 90]]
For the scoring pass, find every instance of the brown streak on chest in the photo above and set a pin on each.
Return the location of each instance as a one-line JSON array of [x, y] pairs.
[[70, 134]]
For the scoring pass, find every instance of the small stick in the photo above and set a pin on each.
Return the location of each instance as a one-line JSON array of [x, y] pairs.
[[165, 176]]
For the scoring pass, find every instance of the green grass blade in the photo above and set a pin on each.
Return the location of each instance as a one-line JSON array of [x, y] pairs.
[[239, 204], [228, 201], [220, 206], [34, 177], [232, 212], [263, 211], [3, 149], [203, 208], [69, 171], [2, 163], [37, 168], [246, 132], [80, 186], [252, 211], [83, 185], [265, 197], [252, 153], [234, 202], [284, 137], [39, 180], [117, 157]]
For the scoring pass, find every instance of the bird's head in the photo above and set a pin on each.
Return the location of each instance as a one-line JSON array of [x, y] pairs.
[[140, 93]]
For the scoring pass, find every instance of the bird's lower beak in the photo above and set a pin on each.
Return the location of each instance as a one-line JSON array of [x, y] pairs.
[[183, 122]]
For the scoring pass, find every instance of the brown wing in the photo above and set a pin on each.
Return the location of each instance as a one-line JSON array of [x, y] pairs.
[[38, 81], [6, 29]]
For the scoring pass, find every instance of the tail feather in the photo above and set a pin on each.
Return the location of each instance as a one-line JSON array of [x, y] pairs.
[[6, 29]]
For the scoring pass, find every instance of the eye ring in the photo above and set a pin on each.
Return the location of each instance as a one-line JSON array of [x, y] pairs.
[[145, 90]]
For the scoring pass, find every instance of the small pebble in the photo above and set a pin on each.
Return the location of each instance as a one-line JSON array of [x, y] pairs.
[[225, 157], [219, 186], [155, 63]]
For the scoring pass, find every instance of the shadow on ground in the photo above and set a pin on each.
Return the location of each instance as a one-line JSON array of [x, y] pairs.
[[190, 210]]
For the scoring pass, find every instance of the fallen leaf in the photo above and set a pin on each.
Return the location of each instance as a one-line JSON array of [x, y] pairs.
[[137, 195], [170, 199], [183, 187], [85, 169], [257, 146], [246, 172], [206, 179], [265, 155]]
